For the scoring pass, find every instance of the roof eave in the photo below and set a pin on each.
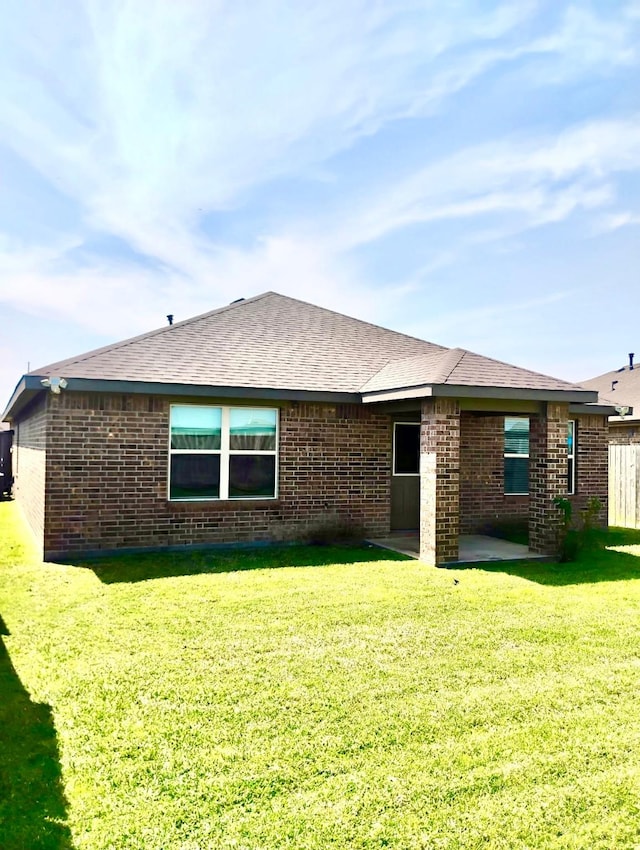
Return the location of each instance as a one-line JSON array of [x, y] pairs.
[[463, 391], [30, 385], [597, 409], [26, 390], [628, 419]]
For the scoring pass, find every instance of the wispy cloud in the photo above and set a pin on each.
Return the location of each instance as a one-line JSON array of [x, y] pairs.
[[488, 316], [184, 106], [544, 180], [614, 221], [151, 118]]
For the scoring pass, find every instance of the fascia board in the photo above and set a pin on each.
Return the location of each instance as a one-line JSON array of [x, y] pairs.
[[462, 391], [30, 384]]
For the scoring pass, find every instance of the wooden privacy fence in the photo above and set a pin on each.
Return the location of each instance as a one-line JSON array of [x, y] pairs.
[[624, 486]]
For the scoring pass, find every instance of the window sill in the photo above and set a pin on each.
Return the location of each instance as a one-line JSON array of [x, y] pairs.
[[222, 505]]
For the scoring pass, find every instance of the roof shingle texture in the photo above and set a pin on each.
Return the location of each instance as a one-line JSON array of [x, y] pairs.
[[626, 391], [276, 342]]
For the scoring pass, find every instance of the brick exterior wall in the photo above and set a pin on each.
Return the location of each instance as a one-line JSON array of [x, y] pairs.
[[29, 466], [107, 476], [592, 463], [547, 476], [624, 434], [482, 499], [105, 460], [439, 480]]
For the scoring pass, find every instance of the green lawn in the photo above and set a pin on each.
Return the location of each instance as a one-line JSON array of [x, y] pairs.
[[328, 698]]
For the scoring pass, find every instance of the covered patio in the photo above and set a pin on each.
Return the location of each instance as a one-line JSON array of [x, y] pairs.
[[449, 486], [472, 548]]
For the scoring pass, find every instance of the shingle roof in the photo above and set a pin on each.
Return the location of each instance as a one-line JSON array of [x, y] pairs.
[[458, 367], [269, 341], [273, 341], [626, 391]]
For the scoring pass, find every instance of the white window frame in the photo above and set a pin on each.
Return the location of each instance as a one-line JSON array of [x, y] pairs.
[[225, 452], [514, 454], [393, 458], [571, 456]]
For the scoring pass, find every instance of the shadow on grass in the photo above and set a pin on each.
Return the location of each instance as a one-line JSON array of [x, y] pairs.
[[595, 564], [153, 565], [33, 807]]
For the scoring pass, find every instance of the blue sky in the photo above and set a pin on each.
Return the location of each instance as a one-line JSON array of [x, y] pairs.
[[467, 172]]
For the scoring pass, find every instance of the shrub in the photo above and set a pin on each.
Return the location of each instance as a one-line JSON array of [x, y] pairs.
[[573, 537]]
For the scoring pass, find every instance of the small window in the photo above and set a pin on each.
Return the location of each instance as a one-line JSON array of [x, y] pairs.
[[223, 452], [516, 456], [406, 448]]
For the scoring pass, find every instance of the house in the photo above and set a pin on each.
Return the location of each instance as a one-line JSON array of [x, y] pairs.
[[621, 387], [248, 423]]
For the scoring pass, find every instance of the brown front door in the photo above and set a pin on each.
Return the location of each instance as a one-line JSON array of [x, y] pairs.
[[405, 477]]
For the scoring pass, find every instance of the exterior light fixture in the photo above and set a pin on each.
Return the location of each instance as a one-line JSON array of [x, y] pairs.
[[54, 384], [622, 410]]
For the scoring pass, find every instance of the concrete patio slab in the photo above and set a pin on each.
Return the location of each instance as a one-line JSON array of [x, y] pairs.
[[473, 548]]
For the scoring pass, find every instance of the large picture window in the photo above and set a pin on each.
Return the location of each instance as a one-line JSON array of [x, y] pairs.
[[223, 452], [516, 456]]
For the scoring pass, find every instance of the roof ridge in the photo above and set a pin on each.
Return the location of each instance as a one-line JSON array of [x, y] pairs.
[[386, 364], [86, 355], [513, 366], [412, 357], [361, 322], [624, 370], [449, 362]]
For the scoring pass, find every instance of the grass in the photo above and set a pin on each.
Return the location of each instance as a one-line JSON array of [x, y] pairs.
[[338, 701]]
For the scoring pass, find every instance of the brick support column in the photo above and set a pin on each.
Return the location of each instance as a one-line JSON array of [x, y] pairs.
[[547, 476], [439, 481]]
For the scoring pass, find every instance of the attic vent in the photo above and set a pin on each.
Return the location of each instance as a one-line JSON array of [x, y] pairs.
[[237, 301]]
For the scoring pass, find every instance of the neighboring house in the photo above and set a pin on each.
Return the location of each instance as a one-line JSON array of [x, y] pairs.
[[255, 420], [621, 388]]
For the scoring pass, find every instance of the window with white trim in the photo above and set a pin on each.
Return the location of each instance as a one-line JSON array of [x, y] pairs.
[[219, 452], [516, 456]]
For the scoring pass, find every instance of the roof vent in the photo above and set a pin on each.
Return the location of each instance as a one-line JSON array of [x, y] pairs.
[[631, 356], [237, 301], [613, 385], [170, 318]]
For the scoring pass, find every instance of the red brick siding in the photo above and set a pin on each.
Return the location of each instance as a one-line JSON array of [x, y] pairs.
[[547, 475], [29, 465], [439, 480], [107, 474], [482, 498], [592, 463], [626, 434]]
